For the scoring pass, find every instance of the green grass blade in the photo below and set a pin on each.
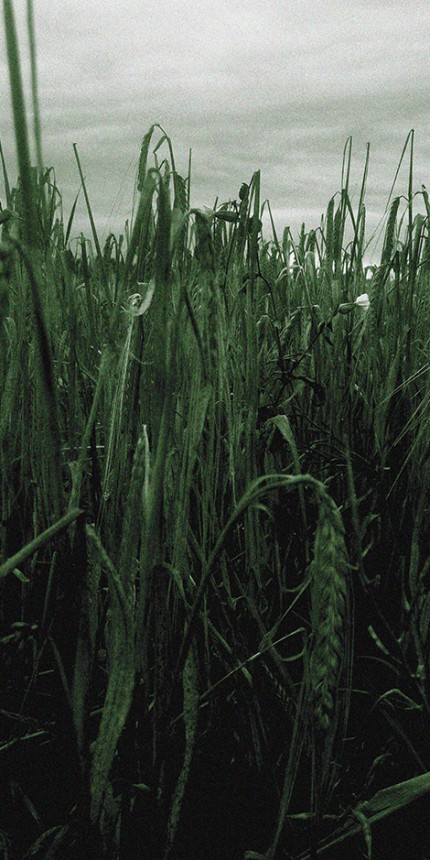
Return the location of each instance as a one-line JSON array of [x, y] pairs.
[[100, 258], [5, 179], [120, 643], [34, 86], [21, 131], [38, 542]]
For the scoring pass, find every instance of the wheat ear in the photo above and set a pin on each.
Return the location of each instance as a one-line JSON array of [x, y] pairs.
[[329, 592]]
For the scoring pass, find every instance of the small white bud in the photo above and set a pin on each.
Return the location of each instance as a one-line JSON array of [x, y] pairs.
[[363, 302]]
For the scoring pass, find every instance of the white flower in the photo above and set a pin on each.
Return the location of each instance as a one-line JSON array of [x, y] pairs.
[[363, 302]]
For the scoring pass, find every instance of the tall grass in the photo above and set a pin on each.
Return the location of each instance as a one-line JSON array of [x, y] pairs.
[[214, 497]]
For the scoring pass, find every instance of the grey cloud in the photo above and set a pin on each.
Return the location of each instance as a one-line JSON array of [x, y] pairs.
[[269, 85]]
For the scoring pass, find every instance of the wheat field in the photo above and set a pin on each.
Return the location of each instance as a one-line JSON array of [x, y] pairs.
[[214, 539]]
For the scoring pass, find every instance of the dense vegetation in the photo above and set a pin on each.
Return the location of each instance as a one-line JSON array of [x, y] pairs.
[[214, 558]]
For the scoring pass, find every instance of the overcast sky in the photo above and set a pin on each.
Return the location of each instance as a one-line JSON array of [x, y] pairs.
[[275, 85]]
